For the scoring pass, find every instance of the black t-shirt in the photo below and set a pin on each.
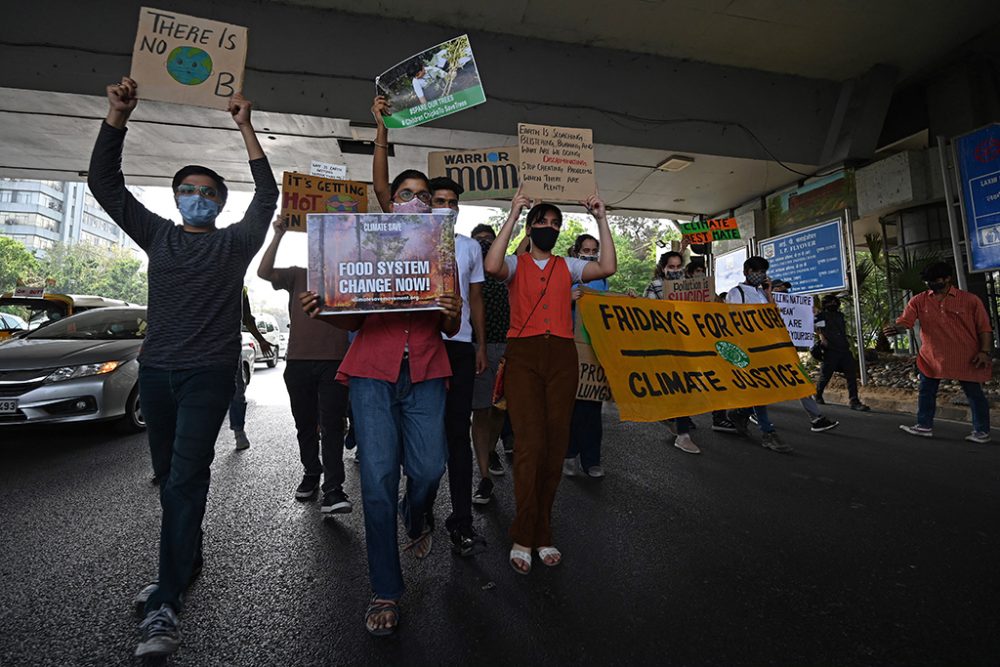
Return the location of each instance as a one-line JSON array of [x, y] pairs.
[[834, 327]]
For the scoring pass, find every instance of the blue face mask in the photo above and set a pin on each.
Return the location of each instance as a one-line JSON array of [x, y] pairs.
[[197, 211]]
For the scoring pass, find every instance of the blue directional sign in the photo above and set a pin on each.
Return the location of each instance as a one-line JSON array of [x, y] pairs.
[[978, 157], [812, 259]]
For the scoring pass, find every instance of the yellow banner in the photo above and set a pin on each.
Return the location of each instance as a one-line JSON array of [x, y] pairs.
[[668, 359]]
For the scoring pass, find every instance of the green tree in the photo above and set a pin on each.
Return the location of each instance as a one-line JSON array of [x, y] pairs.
[[16, 264], [83, 269]]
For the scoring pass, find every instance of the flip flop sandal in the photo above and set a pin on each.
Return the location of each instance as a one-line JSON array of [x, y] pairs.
[[426, 537], [377, 607], [547, 552], [520, 556]]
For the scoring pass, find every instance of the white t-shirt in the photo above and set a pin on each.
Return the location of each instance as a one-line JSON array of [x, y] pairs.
[[744, 293], [469, 258], [574, 264]]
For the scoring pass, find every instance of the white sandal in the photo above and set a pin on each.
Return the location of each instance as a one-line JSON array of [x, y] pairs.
[[521, 556], [548, 552]]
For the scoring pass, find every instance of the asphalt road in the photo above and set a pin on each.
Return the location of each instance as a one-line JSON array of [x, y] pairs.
[[865, 547]]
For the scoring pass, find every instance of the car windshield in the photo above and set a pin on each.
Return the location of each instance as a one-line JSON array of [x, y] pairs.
[[98, 324]]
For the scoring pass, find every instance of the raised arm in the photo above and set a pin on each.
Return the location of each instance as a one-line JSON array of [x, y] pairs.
[[380, 158], [494, 263], [266, 269], [265, 196], [608, 262]]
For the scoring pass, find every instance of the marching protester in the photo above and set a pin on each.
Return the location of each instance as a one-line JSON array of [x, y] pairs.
[[487, 420], [192, 344], [238, 404], [312, 360], [586, 427], [755, 289], [541, 363], [831, 328], [956, 343], [397, 369], [465, 359]]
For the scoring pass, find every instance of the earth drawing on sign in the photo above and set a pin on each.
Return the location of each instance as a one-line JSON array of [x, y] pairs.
[[189, 66]]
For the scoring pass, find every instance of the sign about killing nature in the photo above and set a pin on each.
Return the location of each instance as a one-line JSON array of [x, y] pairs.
[[432, 84], [363, 263], [668, 359], [302, 195], [797, 312], [188, 60], [706, 231], [484, 173], [557, 163]]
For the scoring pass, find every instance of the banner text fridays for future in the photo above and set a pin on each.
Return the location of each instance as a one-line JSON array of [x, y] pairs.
[[668, 359]]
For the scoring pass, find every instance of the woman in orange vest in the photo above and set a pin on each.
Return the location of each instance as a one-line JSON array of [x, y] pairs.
[[541, 364]]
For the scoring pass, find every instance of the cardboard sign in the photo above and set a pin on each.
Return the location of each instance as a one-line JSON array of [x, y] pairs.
[[592, 384], [328, 170], [188, 60], [689, 289], [381, 262], [484, 173], [668, 359], [432, 84], [797, 312], [706, 231], [557, 163], [301, 195]]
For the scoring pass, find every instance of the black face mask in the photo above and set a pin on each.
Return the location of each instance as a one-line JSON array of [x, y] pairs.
[[544, 238], [485, 245]]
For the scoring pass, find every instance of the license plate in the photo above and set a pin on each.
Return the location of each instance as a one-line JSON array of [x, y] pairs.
[[8, 406]]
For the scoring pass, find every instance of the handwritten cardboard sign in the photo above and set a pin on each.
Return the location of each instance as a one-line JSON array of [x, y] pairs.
[[188, 60], [328, 170], [484, 173], [706, 231], [557, 163], [689, 289], [301, 195], [797, 312]]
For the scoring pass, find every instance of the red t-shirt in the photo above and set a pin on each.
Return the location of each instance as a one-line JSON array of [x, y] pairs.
[[949, 332]]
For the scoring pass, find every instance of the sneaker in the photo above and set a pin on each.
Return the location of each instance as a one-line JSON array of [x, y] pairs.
[[496, 465], [242, 441], [467, 543], [739, 420], [508, 446], [821, 424], [484, 492], [774, 443], [753, 419], [859, 406], [819, 399], [571, 467], [160, 635], [686, 444], [595, 472], [723, 426], [918, 430], [980, 437], [335, 502], [308, 487], [140, 599]]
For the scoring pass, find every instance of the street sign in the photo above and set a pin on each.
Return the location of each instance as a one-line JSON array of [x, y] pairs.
[[812, 259], [977, 155]]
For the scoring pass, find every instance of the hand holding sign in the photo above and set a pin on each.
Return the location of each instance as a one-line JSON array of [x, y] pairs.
[[122, 99], [595, 206], [519, 203], [380, 109], [239, 108]]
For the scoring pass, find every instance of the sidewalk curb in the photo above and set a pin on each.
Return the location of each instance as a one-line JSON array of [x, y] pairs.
[[960, 413]]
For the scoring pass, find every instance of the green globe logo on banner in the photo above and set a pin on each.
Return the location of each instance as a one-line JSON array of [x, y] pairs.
[[189, 66], [732, 353]]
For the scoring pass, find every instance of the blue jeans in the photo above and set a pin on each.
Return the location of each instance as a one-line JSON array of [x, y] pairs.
[[238, 404], [927, 403], [184, 411], [397, 423], [811, 407], [763, 422]]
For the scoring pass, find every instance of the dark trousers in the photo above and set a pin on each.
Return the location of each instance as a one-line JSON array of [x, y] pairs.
[[842, 361], [586, 432], [540, 386], [184, 411], [457, 426], [318, 399]]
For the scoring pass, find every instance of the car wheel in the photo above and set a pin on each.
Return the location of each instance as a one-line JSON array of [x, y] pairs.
[[133, 421], [273, 361]]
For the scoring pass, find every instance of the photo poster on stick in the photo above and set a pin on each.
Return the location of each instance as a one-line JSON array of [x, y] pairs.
[[188, 60], [797, 312], [706, 231], [302, 195], [689, 289], [484, 173], [381, 262], [434, 83], [557, 163]]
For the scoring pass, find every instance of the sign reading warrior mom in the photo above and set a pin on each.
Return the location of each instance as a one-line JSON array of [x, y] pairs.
[[302, 195], [668, 359], [188, 60], [484, 173], [557, 163], [380, 262]]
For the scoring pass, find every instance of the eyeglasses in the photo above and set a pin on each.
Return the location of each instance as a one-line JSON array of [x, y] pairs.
[[408, 195], [203, 190]]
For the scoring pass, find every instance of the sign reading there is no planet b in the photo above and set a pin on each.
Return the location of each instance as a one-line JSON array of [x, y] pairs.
[[188, 60]]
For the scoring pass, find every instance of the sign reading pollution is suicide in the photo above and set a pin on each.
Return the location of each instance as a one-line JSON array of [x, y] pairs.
[[188, 60]]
